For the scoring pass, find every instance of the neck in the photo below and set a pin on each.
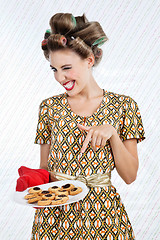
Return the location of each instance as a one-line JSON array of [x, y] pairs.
[[90, 92]]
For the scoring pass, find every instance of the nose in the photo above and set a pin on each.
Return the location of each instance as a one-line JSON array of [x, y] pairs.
[[59, 76]]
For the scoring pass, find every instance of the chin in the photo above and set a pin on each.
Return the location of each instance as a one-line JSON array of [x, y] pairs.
[[70, 93]]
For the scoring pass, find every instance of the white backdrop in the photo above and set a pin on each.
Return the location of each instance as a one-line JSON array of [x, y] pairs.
[[130, 66]]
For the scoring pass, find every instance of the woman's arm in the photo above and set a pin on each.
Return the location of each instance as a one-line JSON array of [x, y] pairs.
[[126, 157], [44, 153], [125, 153]]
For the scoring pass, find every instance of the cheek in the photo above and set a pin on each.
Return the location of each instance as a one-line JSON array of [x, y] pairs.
[[73, 75]]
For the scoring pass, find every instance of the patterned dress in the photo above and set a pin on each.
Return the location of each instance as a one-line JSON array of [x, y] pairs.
[[101, 214]]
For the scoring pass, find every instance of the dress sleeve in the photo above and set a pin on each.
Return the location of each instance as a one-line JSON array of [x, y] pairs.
[[43, 134], [132, 126]]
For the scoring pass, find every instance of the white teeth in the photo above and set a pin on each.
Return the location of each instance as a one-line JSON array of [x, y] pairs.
[[69, 85]]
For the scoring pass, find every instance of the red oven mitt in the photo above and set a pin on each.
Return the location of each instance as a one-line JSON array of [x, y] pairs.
[[31, 177]]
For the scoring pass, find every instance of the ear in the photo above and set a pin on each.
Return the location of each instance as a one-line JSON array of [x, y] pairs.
[[90, 60]]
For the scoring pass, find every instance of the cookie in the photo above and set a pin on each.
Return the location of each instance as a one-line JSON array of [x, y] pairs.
[[44, 202], [53, 189], [67, 187], [62, 196], [75, 191], [65, 192], [48, 196], [59, 201], [44, 192], [34, 199], [35, 190], [30, 195]]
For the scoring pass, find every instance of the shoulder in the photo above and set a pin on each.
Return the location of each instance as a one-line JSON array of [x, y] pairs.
[[121, 101], [120, 98], [51, 101]]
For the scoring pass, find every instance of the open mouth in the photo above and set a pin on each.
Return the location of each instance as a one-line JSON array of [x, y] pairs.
[[69, 85]]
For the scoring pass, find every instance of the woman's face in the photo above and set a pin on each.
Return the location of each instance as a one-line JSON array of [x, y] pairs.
[[72, 72]]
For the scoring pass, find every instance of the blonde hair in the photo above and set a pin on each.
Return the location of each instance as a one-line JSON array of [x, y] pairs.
[[75, 33]]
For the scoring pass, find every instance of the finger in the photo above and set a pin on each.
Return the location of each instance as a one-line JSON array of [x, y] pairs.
[[98, 141], [93, 141], [86, 141], [86, 128], [103, 142]]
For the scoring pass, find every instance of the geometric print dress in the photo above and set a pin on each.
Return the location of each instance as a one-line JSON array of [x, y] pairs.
[[101, 215]]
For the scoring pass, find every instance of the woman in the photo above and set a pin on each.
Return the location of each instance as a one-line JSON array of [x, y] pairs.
[[85, 131]]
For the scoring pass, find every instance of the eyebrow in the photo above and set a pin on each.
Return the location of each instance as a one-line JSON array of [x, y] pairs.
[[61, 66]]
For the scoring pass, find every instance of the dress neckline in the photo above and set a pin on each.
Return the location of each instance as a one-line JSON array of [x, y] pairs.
[[94, 113]]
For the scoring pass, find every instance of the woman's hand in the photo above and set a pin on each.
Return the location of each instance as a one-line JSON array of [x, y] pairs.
[[52, 177], [125, 153], [97, 135]]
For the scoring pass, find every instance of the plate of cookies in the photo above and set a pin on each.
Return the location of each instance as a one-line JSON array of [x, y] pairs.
[[52, 194]]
